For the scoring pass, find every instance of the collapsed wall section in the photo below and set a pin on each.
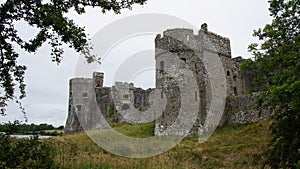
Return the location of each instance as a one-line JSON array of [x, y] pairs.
[[88, 98]]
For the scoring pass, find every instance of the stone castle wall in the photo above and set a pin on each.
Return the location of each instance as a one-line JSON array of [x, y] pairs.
[[240, 109], [179, 57], [178, 49], [88, 98]]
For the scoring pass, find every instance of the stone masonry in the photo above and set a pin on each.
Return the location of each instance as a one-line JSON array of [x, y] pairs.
[[176, 50]]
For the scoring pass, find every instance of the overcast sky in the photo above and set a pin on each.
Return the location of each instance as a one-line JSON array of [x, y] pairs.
[[47, 84]]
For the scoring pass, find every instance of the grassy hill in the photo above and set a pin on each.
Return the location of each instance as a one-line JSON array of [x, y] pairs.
[[232, 146]]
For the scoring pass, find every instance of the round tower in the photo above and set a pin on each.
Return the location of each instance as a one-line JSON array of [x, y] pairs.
[[83, 110]]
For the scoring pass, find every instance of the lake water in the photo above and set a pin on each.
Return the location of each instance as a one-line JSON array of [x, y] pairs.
[[28, 136]]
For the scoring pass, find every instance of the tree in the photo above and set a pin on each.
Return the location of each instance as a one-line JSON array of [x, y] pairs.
[[277, 67], [54, 28], [25, 153], [11, 127], [60, 128]]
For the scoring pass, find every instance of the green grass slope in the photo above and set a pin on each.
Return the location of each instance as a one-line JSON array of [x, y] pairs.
[[232, 146]]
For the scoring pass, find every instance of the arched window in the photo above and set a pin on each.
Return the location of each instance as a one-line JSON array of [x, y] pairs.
[[98, 84], [183, 59], [235, 91], [182, 62], [84, 94], [228, 73], [125, 106], [234, 78], [162, 66], [79, 107], [125, 96]]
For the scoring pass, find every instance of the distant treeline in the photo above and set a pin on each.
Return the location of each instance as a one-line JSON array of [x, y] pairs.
[[17, 128], [40, 127]]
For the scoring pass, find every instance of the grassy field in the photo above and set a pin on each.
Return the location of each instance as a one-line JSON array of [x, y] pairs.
[[232, 146]]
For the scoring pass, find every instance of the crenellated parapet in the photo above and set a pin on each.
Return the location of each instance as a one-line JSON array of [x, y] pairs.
[[182, 40]]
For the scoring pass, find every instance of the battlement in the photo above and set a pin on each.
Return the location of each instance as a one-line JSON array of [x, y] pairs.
[[179, 33], [220, 44], [170, 36], [204, 29], [99, 74], [238, 59], [81, 80], [183, 39], [124, 85]]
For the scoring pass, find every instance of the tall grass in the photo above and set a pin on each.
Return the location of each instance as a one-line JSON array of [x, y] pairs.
[[232, 146]]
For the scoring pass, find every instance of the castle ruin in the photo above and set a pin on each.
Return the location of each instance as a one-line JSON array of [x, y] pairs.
[[175, 50]]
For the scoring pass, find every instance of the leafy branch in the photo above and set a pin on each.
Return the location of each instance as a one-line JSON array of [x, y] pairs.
[[53, 27]]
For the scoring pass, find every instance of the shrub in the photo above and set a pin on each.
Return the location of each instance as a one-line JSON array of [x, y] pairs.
[[25, 153]]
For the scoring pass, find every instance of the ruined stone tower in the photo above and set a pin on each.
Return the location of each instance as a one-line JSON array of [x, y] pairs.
[[189, 50], [82, 104], [88, 98], [176, 51]]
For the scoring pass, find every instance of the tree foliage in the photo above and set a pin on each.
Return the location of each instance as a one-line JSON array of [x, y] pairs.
[[10, 127], [54, 28], [277, 67], [25, 153]]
